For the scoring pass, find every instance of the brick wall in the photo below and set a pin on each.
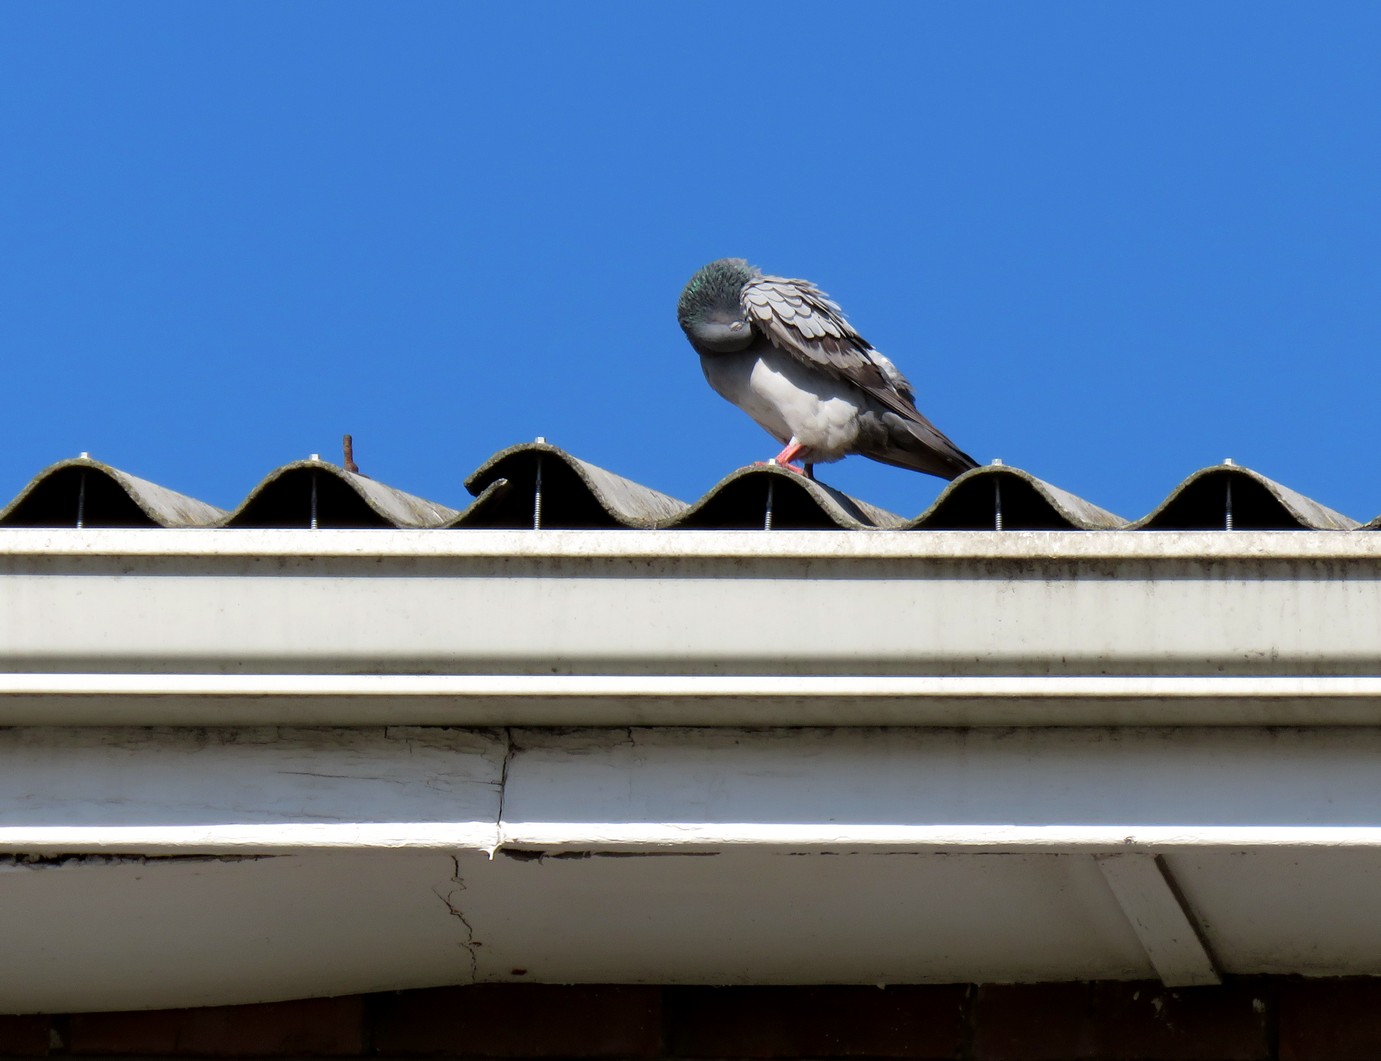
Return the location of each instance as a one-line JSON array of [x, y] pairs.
[[1271, 1019]]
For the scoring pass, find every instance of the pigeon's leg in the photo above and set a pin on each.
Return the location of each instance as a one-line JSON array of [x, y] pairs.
[[786, 456], [810, 471], [783, 459]]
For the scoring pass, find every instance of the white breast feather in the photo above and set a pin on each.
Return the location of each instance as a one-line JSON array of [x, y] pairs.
[[789, 399]]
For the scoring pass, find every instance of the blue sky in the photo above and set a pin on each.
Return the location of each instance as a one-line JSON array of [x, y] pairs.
[[1110, 244]]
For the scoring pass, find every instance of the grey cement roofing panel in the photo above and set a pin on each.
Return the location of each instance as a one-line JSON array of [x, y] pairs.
[[539, 485]]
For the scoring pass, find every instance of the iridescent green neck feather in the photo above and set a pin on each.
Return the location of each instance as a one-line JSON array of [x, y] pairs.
[[714, 289]]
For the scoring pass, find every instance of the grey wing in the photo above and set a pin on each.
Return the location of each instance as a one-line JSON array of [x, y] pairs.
[[796, 316]]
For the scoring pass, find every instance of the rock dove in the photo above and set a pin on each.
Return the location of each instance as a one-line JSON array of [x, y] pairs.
[[782, 352]]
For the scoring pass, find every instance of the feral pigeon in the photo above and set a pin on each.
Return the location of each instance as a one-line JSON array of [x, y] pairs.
[[782, 352]]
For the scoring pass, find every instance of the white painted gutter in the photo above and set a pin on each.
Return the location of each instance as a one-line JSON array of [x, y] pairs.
[[684, 627]]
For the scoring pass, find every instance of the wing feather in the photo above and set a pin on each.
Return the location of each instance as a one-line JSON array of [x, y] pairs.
[[799, 318]]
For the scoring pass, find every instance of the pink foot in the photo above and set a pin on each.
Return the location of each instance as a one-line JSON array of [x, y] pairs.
[[789, 454]]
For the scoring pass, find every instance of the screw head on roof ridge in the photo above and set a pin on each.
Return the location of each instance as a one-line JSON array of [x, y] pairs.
[[541, 438], [1229, 462], [315, 457], [84, 455], [997, 462]]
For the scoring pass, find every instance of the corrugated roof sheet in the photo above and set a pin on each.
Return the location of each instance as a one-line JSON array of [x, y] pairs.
[[539, 485]]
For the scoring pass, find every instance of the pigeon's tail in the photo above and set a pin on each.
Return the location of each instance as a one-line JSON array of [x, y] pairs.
[[920, 446]]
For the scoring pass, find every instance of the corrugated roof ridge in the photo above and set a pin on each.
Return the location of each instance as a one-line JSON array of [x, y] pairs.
[[625, 501], [1304, 511], [162, 506], [1073, 510], [388, 503], [834, 506]]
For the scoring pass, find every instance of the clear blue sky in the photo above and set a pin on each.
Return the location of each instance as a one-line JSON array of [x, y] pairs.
[[1109, 243]]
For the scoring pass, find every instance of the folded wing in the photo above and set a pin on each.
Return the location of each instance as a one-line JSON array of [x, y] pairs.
[[799, 318]]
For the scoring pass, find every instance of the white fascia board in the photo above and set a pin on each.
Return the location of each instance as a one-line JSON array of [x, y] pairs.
[[1096, 790], [1090, 791], [151, 791]]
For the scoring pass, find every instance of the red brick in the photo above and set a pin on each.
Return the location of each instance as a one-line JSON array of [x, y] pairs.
[[23, 1036], [520, 1020], [1330, 1020], [1120, 1022], [815, 1022], [318, 1027]]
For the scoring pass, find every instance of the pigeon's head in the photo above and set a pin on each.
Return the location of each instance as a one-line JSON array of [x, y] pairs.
[[711, 309]]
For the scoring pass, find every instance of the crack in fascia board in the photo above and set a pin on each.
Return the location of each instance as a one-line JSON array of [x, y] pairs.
[[469, 942], [510, 751]]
